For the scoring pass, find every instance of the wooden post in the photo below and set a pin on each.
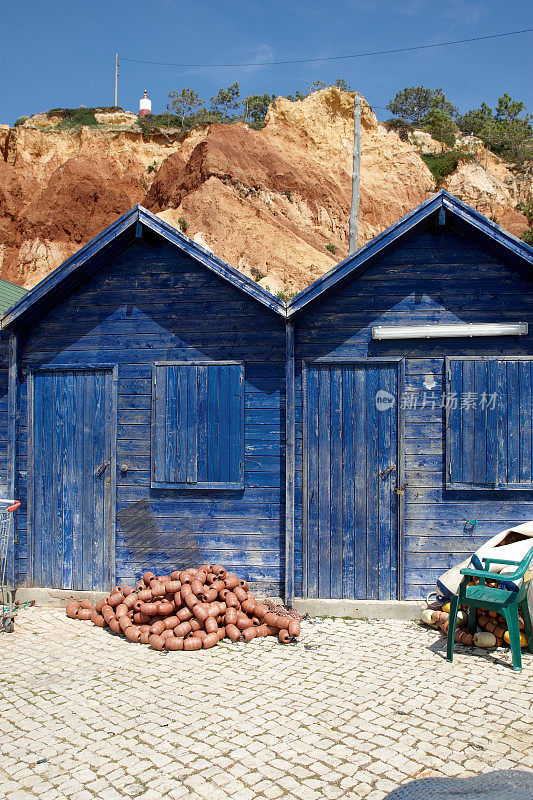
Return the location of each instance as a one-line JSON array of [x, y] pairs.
[[11, 450], [353, 229], [289, 464], [116, 80]]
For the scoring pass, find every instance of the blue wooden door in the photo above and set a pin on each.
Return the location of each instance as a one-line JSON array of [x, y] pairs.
[[73, 482], [351, 473]]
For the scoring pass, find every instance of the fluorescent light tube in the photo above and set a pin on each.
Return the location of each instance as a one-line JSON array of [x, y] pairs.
[[445, 331]]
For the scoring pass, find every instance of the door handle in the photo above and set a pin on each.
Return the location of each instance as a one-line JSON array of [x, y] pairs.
[[387, 471], [102, 468]]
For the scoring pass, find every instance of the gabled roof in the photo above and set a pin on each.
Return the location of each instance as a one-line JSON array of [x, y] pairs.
[[9, 294], [449, 208], [56, 285]]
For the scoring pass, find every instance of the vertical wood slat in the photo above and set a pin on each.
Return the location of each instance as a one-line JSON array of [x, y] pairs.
[[336, 483], [480, 423], [78, 478], [173, 420], [490, 445], [324, 482], [386, 460], [193, 451], [290, 447], [513, 423], [360, 485], [181, 420], [57, 471], [467, 422], [159, 431], [89, 421], [212, 423], [372, 489], [313, 484], [454, 467], [202, 427], [348, 483], [492, 423], [11, 450], [73, 424], [67, 428], [524, 405], [350, 512], [502, 422], [100, 457], [49, 515], [224, 415], [36, 496]]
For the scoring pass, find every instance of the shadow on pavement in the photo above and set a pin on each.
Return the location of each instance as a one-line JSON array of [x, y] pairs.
[[507, 784]]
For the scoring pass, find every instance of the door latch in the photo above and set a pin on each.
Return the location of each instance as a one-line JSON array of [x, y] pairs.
[[401, 489], [387, 471], [102, 468]]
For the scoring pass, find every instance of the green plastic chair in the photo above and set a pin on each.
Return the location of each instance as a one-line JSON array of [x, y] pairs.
[[504, 600]]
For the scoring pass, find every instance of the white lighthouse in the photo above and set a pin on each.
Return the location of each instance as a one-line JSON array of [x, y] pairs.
[[145, 105]]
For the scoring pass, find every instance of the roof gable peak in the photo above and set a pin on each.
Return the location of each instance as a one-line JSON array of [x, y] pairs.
[[59, 282]]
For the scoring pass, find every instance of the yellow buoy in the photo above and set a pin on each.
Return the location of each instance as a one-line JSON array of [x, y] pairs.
[[523, 639]]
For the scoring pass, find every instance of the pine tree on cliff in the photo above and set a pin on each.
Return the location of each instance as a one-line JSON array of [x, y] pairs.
[[225, 100], [184, 103], [414, 103]]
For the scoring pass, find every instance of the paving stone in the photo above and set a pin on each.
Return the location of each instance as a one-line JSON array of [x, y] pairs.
[[370, 705]]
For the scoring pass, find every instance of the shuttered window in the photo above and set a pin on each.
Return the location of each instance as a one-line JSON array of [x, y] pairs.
[[198, 425], [489, 413]]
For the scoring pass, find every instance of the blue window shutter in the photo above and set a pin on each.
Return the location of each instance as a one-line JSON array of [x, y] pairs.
[[489, 409], [198, 425]]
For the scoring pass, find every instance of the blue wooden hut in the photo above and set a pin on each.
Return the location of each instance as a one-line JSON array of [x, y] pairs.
[[9, 294], [413, 404], [351, 444], [146, 369]]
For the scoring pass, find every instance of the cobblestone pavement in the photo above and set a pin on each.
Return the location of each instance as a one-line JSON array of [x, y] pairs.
[[351, 711]]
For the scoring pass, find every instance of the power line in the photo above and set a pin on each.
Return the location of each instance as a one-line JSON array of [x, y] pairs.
[[332, 58]]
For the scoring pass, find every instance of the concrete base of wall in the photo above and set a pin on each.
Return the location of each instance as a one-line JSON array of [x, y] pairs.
[[57, 598], [360, 609], [356, 609]]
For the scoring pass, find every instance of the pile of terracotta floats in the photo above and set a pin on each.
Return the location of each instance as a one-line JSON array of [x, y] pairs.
[[189, 609], [493, 628]]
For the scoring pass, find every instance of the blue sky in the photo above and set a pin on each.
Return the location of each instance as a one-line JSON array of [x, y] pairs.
[[61, 53]]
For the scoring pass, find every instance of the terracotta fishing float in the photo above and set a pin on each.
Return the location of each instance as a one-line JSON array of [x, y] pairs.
[[190, 609], [493, 627]]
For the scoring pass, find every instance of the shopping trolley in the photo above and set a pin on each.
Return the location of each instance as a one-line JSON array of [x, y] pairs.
[[7, 612]]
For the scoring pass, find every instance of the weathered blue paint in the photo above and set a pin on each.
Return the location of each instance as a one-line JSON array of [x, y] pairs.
[[149, 304], [460, 214], [435, 275], [112, 240], [488, 445], [197, 425], [73, 478], [142, 294], [350, 525]]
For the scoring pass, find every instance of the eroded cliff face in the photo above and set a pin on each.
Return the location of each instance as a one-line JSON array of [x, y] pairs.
[[273, 203]]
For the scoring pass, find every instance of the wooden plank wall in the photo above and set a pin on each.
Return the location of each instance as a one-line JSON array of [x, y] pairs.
[[4, 359], [434, 277], [151, 304]]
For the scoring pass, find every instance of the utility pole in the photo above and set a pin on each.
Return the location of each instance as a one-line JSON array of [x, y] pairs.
[[353, 226], [116, 79]]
